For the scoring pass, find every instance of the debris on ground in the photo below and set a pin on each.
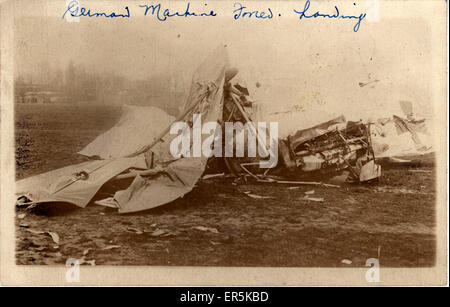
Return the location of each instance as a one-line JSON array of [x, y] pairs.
[[135, 230], [108, 247], [317, 199], [158, 232], [86, 251], [268, 179], [249, 194], [107, 202], [84, 261], [309, 192], [53, 235], [203, 228], [398, 160], [351, 200], [346, 261], [209, 176]]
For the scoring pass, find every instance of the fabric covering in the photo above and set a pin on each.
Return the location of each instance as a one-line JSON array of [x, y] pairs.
[[400, 137], [118, 147], [144, 194], [180, 176], [137, 127], [64, 185]]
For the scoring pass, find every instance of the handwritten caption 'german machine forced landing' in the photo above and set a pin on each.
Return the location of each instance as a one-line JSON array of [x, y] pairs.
[[302, 10]]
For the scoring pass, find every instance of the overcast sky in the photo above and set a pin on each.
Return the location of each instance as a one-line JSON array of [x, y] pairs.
[[309, 62]]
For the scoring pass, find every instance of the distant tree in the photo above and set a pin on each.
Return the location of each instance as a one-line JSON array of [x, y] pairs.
[[20, 80], [56, 83], [70, 80]]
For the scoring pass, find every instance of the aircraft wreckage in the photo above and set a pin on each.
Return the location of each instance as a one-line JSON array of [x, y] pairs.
[[136, 151]]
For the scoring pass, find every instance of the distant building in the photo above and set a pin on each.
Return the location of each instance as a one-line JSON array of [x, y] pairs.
[[35, 97], [41, 97]]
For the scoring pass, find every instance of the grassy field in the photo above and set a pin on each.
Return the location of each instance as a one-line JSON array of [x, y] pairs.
[[396, 215]]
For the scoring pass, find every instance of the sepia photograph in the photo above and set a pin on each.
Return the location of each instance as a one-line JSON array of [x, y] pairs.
[[226, 136]]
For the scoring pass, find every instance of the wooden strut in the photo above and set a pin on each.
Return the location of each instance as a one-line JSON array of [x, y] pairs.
[[252, 127], [300, 183], [247, 171], [352, 170], [270, 180], [185, 113]]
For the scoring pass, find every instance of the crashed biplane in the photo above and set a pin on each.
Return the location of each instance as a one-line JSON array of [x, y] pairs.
[[136, 151]]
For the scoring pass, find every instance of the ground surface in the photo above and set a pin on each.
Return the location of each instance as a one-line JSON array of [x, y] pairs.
[[395, 216]]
